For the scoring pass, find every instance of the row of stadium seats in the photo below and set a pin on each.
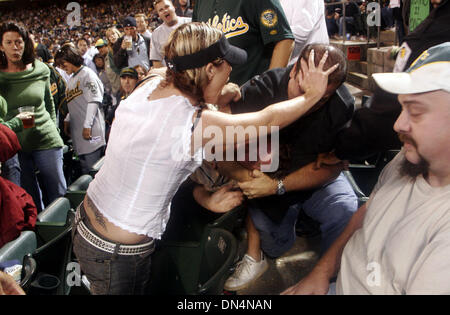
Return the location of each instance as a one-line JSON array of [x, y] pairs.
[[207, 241]]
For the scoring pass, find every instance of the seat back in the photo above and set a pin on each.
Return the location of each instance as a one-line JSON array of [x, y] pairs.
[[76, 192], [81, 184], [96, 167], [219, 252], [197, 249], [17, 249], [366, 174], [56, 211], [191, 268], [28, 272], [231, 220], [56, 252]]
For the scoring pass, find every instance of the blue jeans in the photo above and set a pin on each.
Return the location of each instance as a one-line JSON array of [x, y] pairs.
[[11, 170], [331, 205], [50, 165], [110, 273], [350, 23]]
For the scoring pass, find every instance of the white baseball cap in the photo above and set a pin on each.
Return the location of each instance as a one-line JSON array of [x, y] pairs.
[[429, 72]]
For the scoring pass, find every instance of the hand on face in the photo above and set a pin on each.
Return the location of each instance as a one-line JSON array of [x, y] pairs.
[[314, 80]]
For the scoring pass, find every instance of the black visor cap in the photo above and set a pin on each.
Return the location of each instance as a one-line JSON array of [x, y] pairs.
[[221, 49]]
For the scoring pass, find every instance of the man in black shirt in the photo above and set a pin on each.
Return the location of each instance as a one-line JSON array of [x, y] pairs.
[[277, 198]]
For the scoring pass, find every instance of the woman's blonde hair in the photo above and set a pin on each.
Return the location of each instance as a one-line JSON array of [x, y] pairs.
[[112, 29], [187, 39]]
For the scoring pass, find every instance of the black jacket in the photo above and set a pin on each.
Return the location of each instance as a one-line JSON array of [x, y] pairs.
[[120, 56]]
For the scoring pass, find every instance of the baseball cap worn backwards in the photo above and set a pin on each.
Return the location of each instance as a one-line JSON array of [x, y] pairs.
[[429, 72], [131, 72], [220, 49]]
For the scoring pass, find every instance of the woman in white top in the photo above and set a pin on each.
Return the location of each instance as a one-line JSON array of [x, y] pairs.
[[156, 143]]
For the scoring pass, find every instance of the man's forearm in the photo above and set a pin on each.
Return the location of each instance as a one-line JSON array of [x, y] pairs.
[[233, 170], [201, 195], [281, 53], [308, 177]]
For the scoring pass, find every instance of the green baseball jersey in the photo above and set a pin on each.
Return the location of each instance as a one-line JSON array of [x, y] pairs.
[[253, 25]]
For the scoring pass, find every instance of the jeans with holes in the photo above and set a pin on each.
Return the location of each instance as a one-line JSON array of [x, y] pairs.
[[331, 206], [49, 163]]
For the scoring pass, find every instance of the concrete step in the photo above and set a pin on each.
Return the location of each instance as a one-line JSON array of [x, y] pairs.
[[380, 57], [388, 37], [353, 49], [357, 66], [359, 80]]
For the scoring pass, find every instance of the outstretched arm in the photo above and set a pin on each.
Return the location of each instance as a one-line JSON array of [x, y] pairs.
[[317, 281], [279, 115]]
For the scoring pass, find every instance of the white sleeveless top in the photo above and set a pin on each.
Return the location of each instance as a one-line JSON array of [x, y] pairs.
[[147, 159]]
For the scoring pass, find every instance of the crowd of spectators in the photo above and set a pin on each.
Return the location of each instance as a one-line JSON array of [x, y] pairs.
[[49, 24], [111, 51], [50, 27]]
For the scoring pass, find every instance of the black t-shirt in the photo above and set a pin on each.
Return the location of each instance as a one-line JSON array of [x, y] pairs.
[[311, 134], [307, 137]]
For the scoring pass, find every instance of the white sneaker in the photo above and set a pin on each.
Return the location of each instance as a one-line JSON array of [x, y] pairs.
[[247, 270]]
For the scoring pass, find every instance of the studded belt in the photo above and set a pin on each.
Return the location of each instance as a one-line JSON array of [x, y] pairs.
[[109, 247]]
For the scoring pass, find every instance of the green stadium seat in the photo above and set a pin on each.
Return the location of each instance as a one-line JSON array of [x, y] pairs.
[[56, 211], [198, 249], [17, 249], [29, 267], [191, 268], [77, 190], [55, 249], [96, 167], [82, 183]]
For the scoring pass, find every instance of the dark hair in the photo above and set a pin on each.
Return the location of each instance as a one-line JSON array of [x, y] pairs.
[[86, 40], [69, 54], [28, 53], [335, 56], [98, 56]]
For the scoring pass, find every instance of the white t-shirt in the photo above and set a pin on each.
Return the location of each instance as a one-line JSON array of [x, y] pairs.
[[403, 246], [160, 36], [147, 159], [307, 21]]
